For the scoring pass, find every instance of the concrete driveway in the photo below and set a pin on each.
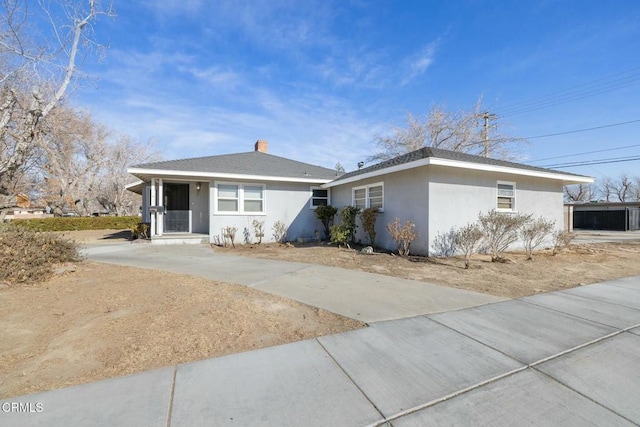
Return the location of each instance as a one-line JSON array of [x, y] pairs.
[[567, 358], [363, 296], [605, 236]]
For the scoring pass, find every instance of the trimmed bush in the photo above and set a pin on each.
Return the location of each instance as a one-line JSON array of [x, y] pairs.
[[533, 233], [468, 238], [500, 230], [29, 256], [79, 223], [326, 214]]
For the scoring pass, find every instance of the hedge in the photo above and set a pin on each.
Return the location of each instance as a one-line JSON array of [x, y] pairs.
[[79, 223]]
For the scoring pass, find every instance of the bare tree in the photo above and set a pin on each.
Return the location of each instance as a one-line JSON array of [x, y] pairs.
[[72, 158], [606, 187], [623, 187], [635, 189], [462, 130], [111, 192], [36, 76], [580, 193]]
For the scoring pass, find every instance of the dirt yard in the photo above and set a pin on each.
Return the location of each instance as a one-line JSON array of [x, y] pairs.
[[102, 321], [582, 264]]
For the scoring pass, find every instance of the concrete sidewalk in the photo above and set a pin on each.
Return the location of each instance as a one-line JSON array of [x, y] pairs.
[[564, 358], [363, 296]]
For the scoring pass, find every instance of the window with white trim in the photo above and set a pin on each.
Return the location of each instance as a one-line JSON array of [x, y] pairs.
[[369, 196], [253, 198], [506, 196], [235, 198], [319, 197]]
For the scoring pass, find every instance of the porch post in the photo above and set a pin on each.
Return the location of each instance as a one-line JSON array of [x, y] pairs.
[[152, 202], [160, 203]]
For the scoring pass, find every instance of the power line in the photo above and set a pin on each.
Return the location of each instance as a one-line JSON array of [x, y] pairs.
[[586, 152], [583, 130], [594, 162], [592, 88]]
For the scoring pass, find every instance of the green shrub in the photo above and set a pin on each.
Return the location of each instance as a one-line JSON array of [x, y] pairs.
[[79, 223], [326, 214], [340, 234], [348, 214], [140, 231], [29, 256], [368, 217]]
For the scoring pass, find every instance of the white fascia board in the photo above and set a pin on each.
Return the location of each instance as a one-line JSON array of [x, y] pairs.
[[385, 171], [163, 173], [570, 179], [133, 184], [566, 178]]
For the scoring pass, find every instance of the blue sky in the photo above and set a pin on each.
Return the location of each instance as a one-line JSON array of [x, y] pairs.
[[320, 79]]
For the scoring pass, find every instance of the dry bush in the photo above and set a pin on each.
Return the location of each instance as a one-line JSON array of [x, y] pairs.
[[279, 231], [500, 231], [467, 239], [258, 229], [444, 244], [533, 233], [229, 236], [562, 240], [403, 235], [28, 256]]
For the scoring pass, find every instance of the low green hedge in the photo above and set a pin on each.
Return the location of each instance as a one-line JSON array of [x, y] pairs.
[[79, 223]]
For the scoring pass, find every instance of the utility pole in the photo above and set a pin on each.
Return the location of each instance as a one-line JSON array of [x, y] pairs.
[[487, 116]]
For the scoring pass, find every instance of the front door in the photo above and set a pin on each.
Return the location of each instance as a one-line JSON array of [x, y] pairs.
[[176, 204]]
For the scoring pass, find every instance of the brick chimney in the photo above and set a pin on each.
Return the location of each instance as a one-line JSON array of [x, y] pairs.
[[261, 146]]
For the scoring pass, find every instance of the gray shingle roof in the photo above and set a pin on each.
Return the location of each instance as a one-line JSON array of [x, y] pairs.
[[439, 153], [251, 163]]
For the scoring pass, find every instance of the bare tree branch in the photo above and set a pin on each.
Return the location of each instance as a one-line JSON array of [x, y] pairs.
[[451, 130]]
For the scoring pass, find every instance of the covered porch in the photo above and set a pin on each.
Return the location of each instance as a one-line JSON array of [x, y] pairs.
[[177, 210]]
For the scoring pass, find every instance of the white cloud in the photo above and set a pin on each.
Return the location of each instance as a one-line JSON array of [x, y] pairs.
[[417, 64], [214, 76]]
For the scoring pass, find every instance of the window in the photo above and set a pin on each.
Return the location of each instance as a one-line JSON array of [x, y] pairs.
[[253, 198], [228, 196], [370, 196], [240, 198], [506, 196], [360, 198], [319, 197], [375, 197]]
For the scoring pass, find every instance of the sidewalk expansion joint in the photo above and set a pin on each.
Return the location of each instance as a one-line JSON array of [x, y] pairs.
[[452, 395], [579, 317], [383, 420], [552, 378], [173, 389]]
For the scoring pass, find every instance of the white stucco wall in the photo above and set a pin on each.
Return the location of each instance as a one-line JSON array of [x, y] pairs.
[[406, 196], [437, 198], [287, 202], [459, 195]]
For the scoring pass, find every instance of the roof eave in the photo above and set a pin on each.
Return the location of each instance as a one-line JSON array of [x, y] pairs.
[[135, 187], [567, 179], [143, 173]]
